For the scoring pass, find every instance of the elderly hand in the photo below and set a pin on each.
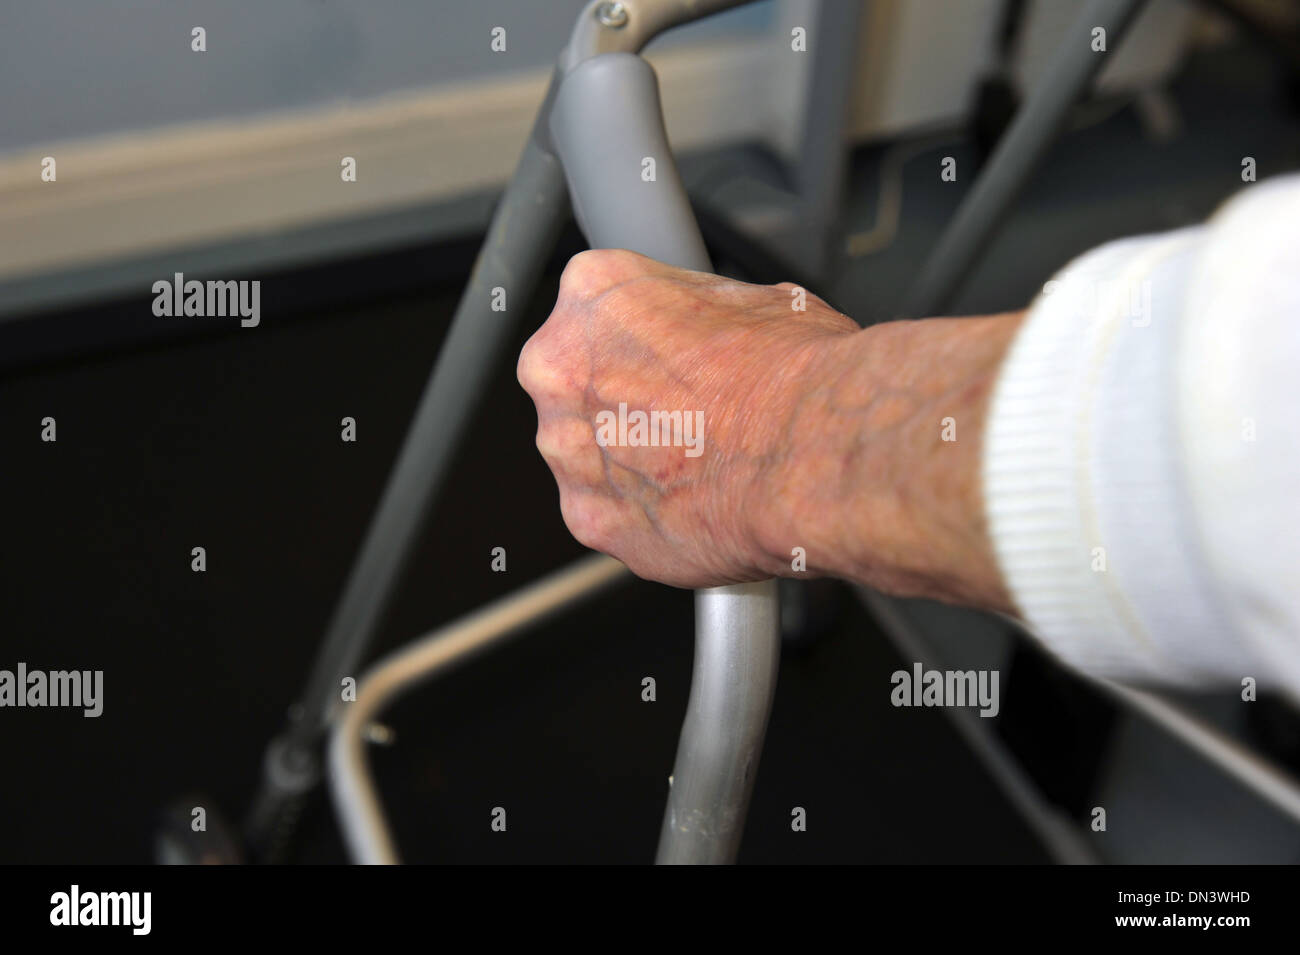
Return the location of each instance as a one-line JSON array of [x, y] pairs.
[[705, 431]]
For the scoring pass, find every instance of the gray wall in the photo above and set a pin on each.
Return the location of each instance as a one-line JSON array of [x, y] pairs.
[[74, 68]]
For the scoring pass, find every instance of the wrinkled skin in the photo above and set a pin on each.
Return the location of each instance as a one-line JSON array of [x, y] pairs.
[[817, 434]]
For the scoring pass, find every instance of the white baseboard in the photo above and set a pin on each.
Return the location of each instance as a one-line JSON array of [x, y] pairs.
[[153, 191]]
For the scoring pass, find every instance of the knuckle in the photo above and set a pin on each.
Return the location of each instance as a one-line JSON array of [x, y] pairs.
[[529, 367], [581, 278], [568, 446], [523, 367], [592, 273], [548, 443], [541, 368]]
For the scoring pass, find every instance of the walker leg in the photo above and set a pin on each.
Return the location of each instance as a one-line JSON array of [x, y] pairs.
[[520, 238], [737, 651]]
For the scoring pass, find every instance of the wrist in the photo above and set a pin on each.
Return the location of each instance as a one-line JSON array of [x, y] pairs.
[[878, 478], [800, 503]]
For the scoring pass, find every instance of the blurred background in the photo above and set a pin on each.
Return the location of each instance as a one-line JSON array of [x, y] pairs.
[[820, 169]]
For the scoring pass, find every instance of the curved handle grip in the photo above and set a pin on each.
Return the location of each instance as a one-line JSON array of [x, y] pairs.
[[607, 127]]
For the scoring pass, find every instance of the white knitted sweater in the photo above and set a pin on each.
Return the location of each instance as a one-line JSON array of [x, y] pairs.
[[1142, 457]]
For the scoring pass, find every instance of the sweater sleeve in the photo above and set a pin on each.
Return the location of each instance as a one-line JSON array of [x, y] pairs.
[[1141, 460]]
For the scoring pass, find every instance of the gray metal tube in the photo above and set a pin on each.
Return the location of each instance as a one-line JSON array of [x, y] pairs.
[[1018, 153], [1261, 776], [1057, 832], [604, 26], [521, 236], [522, 233], [737, 654], [605, 122], [360, 811], [519, 241], [819, 168]]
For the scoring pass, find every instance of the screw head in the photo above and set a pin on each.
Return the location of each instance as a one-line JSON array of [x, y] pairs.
[[612, 14]]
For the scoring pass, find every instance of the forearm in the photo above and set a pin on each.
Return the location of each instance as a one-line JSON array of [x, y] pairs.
[[879, 479], [1090, 465]]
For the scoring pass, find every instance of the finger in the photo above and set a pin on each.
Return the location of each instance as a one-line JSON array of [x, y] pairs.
[[544, 370], [567, 443], [592, 518]]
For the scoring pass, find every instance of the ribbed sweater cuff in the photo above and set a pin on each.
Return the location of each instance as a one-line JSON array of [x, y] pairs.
[[1039, 461]]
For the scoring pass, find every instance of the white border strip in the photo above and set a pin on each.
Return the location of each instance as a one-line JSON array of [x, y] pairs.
[[161, 190]]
